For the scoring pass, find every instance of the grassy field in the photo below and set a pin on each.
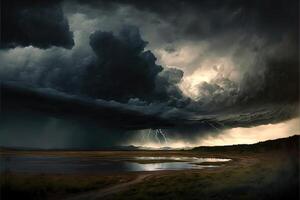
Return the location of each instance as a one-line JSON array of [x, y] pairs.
[[272, 175], [46, 186], [258, 173]]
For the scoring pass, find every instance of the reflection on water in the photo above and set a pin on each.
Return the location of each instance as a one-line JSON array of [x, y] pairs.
[[186, 159], [57, 164]]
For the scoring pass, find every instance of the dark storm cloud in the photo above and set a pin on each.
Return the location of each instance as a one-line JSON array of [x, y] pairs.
[[38, 23], [115, 67], [167, 87], [59, 104], [279, 83], [216, 123], [110, 78], [209, 18], [264, 31], [123, 69], [133, 116]]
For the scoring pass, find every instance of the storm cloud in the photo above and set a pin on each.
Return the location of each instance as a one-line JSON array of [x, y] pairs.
[[184, 66], [38, 23], [123, 70], [254, 35]]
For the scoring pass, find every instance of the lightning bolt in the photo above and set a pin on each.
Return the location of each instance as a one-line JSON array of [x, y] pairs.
[[163, 135], [156, 134]]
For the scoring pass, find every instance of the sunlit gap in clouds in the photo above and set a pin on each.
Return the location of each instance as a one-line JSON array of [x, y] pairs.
[[198, 67], [211, 70], [226, 137]]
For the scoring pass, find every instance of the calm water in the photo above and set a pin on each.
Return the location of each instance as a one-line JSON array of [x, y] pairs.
[[56, 164]]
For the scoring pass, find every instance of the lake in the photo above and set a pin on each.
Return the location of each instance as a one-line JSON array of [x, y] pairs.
[[60, 164]]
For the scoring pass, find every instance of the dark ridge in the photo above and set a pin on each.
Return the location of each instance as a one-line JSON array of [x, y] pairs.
[[290, 143]]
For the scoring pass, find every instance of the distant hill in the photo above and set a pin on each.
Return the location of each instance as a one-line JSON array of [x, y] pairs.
[[289, 143]]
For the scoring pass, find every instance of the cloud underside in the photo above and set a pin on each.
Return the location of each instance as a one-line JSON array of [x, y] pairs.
[[112, 114]]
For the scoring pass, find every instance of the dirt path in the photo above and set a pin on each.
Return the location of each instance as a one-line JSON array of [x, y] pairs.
[[97, 194]]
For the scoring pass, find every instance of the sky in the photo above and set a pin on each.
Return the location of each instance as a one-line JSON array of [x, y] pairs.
[[179, 73]]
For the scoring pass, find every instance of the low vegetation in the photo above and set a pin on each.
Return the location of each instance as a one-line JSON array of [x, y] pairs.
[[272, 175], [50, 186]]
